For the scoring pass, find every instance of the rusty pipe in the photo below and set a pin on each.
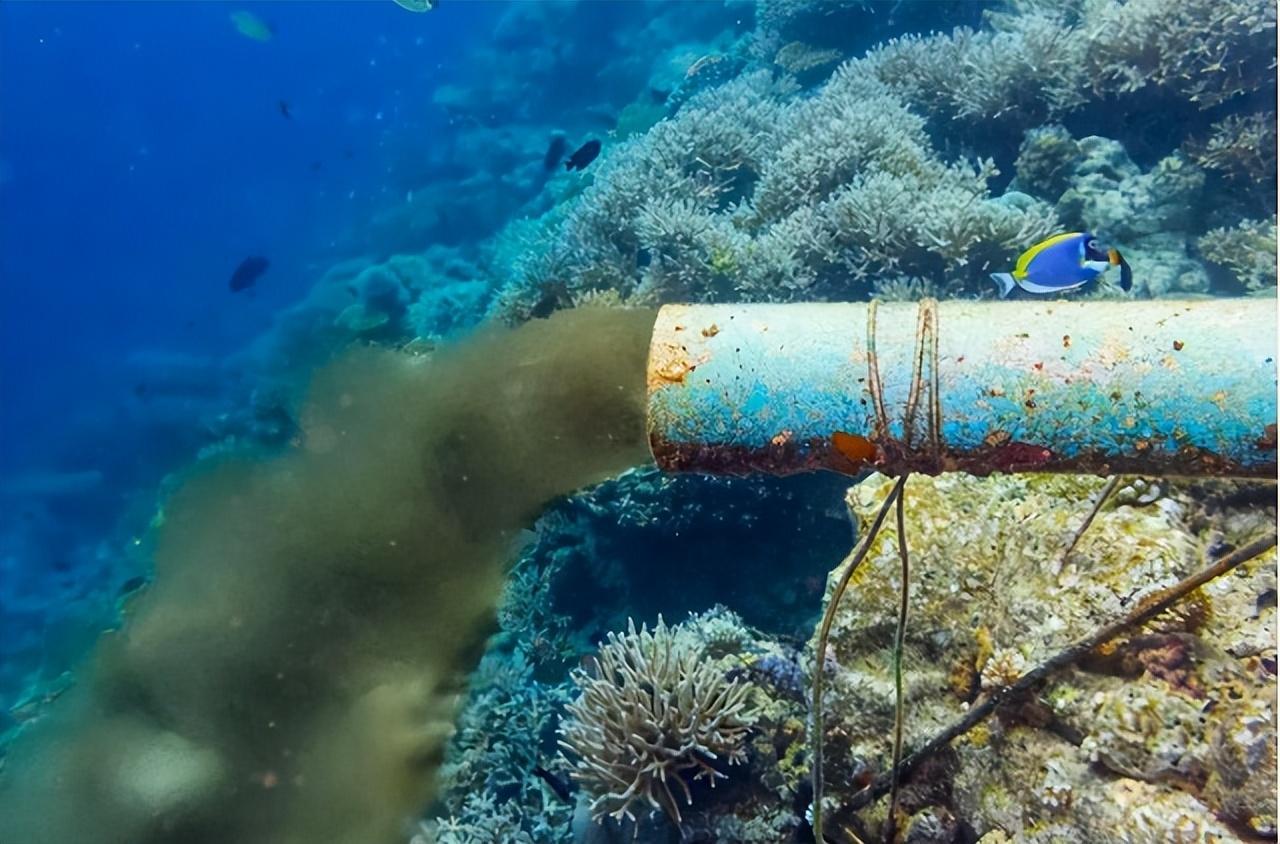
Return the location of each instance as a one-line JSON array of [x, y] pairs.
[[1150, 388]]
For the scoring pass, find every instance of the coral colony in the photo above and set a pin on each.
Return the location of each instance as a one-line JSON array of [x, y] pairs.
[[475, 652]]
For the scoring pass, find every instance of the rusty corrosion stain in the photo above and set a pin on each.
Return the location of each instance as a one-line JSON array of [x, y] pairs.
[[675, 371], [669, 363], [1001, 455], [996, 438], [858, 450], [1268, 440], [1177, 345], [1066, 341], [711, 330], [1018, 455]]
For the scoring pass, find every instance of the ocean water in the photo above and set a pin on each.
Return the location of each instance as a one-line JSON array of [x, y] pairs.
[[435, 529]]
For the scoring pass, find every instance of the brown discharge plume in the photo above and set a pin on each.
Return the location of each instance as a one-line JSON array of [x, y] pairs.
[[291, 674]]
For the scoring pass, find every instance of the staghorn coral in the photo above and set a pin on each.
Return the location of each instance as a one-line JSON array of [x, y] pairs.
[[527, 612], [1206, 51], [805, 60], [1247, 250], [749, 192], [1043, 59], [655, 712], [1028, 67], [505, 729], [1242, 148]]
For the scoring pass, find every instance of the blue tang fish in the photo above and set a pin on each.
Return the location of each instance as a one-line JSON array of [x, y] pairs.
[[1061, 263]]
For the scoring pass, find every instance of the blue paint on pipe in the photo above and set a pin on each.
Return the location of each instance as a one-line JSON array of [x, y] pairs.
[[1158, 387]]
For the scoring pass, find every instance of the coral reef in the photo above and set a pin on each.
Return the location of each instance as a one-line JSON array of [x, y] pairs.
[[1172, 711], [506, 728], [1150, 216], [1246, 250], [747, 192], [649, 543], [1242, 148], [770, 150], [751, 191], [1042, 59], [650, 712]]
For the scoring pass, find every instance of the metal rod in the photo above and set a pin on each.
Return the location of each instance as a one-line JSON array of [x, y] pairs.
[[1146, 609], [1153, 388]]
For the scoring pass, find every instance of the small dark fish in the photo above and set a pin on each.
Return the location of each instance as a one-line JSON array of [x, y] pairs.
[[558, 784], [348, 153], [584, 155], [555, 152], [317, 166], [133, 584], [247, 274], [284, 109]]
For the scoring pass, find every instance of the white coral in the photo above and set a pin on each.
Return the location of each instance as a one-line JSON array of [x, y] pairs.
[[653, 710]]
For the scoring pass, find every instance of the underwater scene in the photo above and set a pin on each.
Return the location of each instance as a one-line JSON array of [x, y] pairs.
[[593, 421]]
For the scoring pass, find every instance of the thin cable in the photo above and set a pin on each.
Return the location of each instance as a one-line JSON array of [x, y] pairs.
[[820, 651], [1107, 490], [1145, 609], [899, 639], [874, 385]]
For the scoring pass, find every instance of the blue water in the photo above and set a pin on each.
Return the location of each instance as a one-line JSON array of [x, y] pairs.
[[151, 158], [148, 148], [144, 153]]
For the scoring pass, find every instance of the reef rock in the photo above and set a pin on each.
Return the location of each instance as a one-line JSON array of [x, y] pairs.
[[1149, 739]]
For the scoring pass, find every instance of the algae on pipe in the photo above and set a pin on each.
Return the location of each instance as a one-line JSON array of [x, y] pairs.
[[1151, 388]]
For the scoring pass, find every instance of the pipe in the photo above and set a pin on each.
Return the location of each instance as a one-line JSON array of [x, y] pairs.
[[1154, 388]]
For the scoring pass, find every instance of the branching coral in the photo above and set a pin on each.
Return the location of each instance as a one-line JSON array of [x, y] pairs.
[[505, 730], [1206, 51], [654, 710], [1030, 67], [747, 191], [1043, 58], [1247, 250], [1243, 149]]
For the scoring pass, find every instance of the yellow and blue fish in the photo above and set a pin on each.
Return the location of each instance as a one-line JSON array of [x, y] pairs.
[[1061, 263]]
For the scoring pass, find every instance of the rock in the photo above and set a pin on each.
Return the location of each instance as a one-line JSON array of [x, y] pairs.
[[1174, 718], [1046, 161]]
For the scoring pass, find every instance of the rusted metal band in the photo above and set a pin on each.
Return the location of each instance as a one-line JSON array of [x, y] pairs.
[[926, 337], [1154, 388]]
